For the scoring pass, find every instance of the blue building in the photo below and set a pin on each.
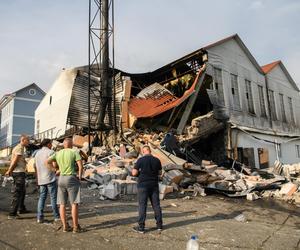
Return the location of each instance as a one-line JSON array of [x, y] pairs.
[[17, 114]]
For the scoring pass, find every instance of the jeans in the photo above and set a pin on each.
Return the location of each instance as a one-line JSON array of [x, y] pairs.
[[19, 192], [153, 194], [52, 188]]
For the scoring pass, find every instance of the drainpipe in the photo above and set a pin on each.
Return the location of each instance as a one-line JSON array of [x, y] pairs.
[[268, 101]]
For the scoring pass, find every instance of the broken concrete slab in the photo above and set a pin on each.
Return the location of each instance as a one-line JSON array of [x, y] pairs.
[[172, 167], [166, 157], [164, 189], [252, 196], [127, 187], [173, 176], [111, 190]]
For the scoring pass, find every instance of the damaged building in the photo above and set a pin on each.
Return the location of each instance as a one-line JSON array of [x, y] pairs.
[[218, 100]]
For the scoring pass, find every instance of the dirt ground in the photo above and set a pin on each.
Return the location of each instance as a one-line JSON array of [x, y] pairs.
[[108, 224]]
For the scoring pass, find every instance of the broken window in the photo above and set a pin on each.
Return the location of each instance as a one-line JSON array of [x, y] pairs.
[[235, 91], [298, 151], [249, 97], [218, 82], [283, 116], [272, 105], [291, 110], [262, 101], [263, 157], [246, 156]]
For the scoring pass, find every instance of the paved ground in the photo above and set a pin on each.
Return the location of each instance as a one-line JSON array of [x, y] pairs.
[[270, 225]]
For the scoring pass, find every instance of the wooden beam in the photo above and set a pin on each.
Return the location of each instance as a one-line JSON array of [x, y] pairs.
[[190, 104]]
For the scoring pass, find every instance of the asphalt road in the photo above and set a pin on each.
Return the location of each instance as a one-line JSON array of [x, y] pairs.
[[267, 224]]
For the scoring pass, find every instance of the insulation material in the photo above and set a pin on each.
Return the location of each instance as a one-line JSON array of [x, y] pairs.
[[156, 100]]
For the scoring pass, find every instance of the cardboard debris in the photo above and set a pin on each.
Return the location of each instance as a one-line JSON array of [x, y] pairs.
[[288, 189], [79, 141], [30, 166]]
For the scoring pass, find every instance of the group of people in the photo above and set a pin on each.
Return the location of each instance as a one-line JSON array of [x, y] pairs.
[[66, 164]]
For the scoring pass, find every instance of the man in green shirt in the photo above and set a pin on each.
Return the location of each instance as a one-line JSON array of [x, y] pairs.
[[68, 182]]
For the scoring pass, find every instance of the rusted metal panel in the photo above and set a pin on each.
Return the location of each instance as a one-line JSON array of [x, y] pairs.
[[158, 100]]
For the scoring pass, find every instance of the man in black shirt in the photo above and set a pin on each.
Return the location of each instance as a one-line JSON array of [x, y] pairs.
[[148, 169]]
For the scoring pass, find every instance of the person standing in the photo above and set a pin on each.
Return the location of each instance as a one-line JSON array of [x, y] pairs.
[[68, 183], [46, 180], [17, 170], [148, 169]]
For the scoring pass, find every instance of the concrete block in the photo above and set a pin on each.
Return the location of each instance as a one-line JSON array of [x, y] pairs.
[[126, 186], [111, 190], [106, 178], [252, 196], [164, 189], [96, 178], [174, 176]]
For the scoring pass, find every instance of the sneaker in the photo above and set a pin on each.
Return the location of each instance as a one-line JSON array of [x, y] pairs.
[[13, 217], [40, 220], [78, 229], [139, 230], [159, 228]]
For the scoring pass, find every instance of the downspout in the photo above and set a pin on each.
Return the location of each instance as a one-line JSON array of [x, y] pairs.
[[268, 101]]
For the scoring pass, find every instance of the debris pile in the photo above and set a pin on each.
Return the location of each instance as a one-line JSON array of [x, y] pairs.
[[111, 174]]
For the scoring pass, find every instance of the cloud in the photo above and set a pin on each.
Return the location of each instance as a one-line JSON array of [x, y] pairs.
[[255, 5]]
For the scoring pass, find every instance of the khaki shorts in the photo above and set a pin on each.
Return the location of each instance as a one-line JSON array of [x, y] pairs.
[[68, 187]]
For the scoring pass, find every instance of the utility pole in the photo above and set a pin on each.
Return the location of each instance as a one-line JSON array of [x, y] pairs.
[[101, 66]]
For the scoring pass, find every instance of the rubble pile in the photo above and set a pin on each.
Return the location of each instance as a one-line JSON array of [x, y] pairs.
[[111, 174], [108, 172]]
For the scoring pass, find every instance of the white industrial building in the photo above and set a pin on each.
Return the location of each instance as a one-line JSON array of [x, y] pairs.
[[262, 105]]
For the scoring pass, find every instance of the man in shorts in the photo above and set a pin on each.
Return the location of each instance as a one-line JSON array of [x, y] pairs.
[[68, 182]]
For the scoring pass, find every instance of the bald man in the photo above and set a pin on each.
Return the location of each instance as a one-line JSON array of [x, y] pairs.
[[68, 183], [148, 169], [17, 171]]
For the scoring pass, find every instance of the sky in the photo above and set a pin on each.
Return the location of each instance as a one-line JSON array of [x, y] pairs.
[[40, 37]]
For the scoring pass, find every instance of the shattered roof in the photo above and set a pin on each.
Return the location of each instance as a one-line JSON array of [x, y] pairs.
[[156, 104]]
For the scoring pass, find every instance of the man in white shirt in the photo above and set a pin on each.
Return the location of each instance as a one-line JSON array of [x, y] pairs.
[[46, 180]]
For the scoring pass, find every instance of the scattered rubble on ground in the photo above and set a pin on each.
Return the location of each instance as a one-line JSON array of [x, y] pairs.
[[110, 174]]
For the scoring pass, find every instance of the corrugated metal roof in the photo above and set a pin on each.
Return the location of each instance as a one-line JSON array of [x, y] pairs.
[[158, 101]]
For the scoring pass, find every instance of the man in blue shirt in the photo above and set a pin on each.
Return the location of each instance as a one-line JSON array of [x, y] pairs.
[[148, 169]]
